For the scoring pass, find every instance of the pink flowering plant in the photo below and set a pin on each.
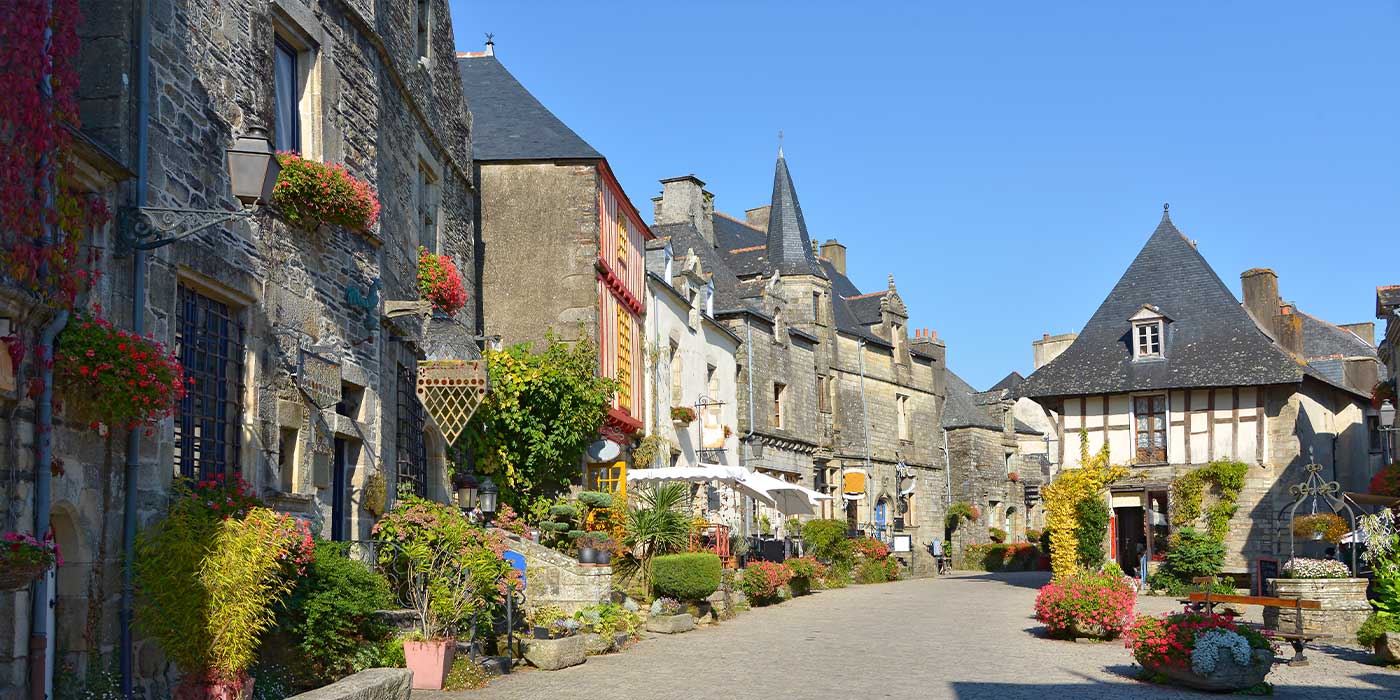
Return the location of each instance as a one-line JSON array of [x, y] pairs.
[[309, 193], [23, 551], [762, 581], [1167, 641], [113, 377], [439, 282], [1086, 604], [871, 548], [444, 567]]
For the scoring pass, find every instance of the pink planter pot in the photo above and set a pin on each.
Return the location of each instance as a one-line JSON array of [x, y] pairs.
[[429, 661]]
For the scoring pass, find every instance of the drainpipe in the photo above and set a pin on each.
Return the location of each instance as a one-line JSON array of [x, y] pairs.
[[138, 326], [748, 439], [947, 472], [864, 413]]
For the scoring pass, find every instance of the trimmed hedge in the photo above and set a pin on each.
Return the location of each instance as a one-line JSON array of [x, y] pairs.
[[690, 576], [826, 540]]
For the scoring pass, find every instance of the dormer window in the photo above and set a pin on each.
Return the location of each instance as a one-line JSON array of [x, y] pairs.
[[1149, 333], [669, 257], [710, 298]]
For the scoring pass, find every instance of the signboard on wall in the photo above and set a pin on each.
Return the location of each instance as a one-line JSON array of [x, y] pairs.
[[903, 543], [711, 427]]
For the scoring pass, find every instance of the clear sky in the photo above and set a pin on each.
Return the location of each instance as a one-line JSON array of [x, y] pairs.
[[1004, 161]]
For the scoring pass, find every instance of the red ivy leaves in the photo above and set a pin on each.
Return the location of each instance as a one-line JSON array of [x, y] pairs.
[[440, 282]]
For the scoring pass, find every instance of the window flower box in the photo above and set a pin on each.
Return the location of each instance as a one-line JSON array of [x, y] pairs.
[[439, 282], [309, 194], [682, 415]]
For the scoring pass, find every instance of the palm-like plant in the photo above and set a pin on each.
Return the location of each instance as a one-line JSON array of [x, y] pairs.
[[656, 524]]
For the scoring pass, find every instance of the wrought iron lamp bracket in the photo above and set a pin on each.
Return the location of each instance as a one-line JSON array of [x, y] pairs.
[[148, 228]]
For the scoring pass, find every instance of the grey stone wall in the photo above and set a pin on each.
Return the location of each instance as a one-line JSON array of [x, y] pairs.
[[552, 578], [978, 469]]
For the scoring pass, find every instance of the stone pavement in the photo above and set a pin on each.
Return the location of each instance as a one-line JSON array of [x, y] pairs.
[[965, 637]]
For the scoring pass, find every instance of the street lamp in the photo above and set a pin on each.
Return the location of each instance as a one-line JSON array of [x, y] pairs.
[[487, 500], [466, 492], [1386, 425], [252, 168]]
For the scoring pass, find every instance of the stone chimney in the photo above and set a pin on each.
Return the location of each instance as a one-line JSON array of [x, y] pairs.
[[836, 253], [1261, 300], [1361, 373], [1049, 347], [926, 340], [684, 201], [758, 216], [1365, 329], [1288, 330]]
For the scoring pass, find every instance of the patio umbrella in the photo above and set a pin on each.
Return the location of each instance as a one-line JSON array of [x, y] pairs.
[[705, 473], [789, 499]]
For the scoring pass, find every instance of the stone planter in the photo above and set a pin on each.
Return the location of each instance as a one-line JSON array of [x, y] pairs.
[[554, 654], [1228, 674], [429, 661], [1344, 606], [594, 644], [1388, 648], [1085, 630], [671, 624]]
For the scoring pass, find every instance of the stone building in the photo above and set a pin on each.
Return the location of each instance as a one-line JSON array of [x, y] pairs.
[[255, 308], [834, 393], [986, 465], [1173, 372], [1387, 305], [563, 249]]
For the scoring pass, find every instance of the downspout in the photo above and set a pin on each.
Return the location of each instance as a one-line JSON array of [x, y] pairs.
[[138, 326], [947, 472], [41, 609], [748, 439], [864, 413]]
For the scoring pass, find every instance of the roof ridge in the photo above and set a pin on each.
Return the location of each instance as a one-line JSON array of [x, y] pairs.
[[741, 222], [882, 292], [750, 248]]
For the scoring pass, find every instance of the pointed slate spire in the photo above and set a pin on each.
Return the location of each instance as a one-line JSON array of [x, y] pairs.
[[789, 246]]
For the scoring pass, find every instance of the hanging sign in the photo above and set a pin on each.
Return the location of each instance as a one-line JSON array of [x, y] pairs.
[[711, 427], [451, 391]]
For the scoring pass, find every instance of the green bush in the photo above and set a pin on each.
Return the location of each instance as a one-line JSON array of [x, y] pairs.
[[330, 614], [595, 499], [996, 534], [691, 576], [1092, 514], [836, 577], [877, 570], [1377, 624], [826, 540], [1193, 553]]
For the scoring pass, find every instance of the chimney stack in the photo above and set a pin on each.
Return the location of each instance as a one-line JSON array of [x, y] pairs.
[[1365, 329], [1049, 347], [1260, 288], [836, 253], [1288, 330], [758, 216], [684, 201]]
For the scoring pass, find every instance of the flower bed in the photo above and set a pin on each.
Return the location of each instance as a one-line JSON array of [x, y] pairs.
[[1303, 567], [439, 282], [1208, 652], [762, 582], [113, 377], [1086, 604], [309, 193]]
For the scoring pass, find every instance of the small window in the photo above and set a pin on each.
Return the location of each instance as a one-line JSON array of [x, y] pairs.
[[669, 257], [778, 391], [621, 238], [286, 79], [677, 371], [901, 409], [1149, 339], [710, 299], [816, 307], [427, 196], [425, 17], [1150, 423]]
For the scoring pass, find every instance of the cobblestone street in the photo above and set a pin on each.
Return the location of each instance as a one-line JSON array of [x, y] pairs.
[[967, 637]]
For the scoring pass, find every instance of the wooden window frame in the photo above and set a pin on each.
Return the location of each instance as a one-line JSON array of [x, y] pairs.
[[1157, 406], [779, 401]]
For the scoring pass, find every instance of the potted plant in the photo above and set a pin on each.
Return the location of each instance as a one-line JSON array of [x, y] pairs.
[[593, 548], [669, 616], [1089, 605], [24, 558], [682, 415], [606, 547], [439, 282], [803, 571], [113, 377], [548, 622], [1206, 652], [308, 194], [1320, 526]]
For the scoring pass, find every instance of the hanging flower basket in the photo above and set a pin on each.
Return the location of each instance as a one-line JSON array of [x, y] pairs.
[[1013, 477], [439, 282], [308, 194], [23, 558], [113, 377], [682, 415], [1320, 526]]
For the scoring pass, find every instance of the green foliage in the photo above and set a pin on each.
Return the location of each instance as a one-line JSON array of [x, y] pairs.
[[543, 410], [608, 619], [957, 514], [765, 526], [595, 499], [826, 540], [1193, 553], [1093, 516], [876, 570], [837, 576], [330, 614], [996, 534], [465, 674], [657, 524], [685, 577], [1188, 491], [1377, 624], [651, 447]]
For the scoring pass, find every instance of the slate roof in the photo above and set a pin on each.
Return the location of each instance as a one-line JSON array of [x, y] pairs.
[[508, 123], [963, 408], [1211, 341], [866, 308], [683, 238], [846, 317], [789, 246], [1010, 382], [731, 233], [1326, 340]]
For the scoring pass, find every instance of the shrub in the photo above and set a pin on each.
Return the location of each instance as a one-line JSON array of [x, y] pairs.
[[1303, 567], [803, 572], [1327, 526], [330, 613], [762, 582], [996, 534], [826, 540], [877, 571], [1386, 482], [691, 576], [1171, 639], [1193, 553], [957, 514], [439, 282], [1377, 624], [308, 193], [837, 577], [871, 548], [114, 377], [656, 525], [1092, 514], [608, 619], [1086, 601]]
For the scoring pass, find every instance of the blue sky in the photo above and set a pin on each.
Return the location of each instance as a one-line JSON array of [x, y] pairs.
[[1004, 162]]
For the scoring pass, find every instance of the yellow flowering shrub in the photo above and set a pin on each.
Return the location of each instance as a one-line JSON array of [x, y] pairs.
[[1062, 497]]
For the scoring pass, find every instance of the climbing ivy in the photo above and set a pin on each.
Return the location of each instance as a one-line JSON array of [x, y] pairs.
[[1062, 498], [1188, 491]]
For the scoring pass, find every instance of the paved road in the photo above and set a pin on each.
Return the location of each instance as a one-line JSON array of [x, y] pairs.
[[966, 637]]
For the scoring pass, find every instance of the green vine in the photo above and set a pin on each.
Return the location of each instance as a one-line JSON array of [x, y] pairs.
[[648, 449], [1188, 490]]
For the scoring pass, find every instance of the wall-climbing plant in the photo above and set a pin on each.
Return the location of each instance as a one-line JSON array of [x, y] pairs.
[[1188, 492], [1062, 497]]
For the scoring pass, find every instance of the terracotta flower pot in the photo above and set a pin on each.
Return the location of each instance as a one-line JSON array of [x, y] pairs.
[[429, 661], [208, 686]]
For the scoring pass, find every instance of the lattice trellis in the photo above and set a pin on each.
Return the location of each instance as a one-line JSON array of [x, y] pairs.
[[451, 391]]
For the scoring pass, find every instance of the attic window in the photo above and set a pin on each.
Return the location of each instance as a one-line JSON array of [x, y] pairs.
[[669, 257], [710, 299], [1149, 331]]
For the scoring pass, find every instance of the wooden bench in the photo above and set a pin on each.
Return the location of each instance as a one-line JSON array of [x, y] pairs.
[[1298, 640]]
